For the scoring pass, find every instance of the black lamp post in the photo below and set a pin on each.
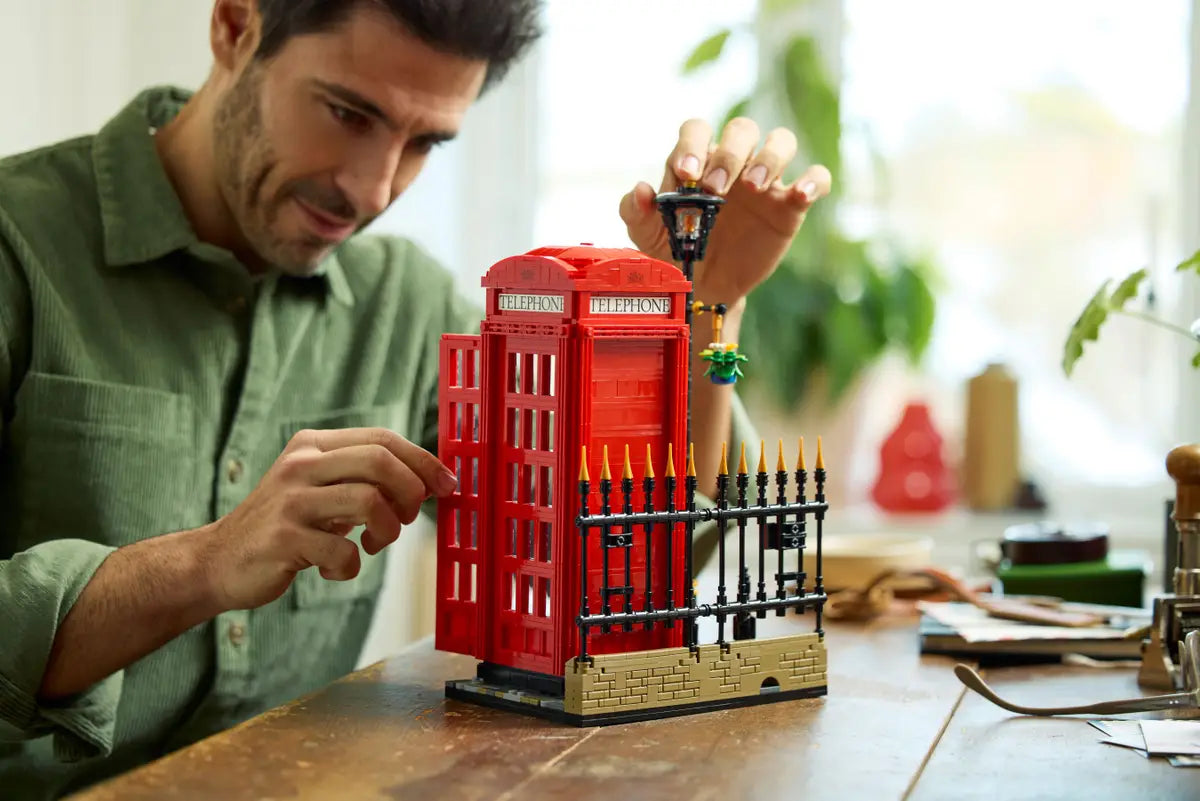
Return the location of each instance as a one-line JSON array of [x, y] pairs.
[[689, 215]]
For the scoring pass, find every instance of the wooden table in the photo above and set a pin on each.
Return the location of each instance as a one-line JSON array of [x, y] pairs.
[[894, 725]]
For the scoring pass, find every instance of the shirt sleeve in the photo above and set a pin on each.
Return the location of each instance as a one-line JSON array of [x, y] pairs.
[[704, 539], [38, 586]]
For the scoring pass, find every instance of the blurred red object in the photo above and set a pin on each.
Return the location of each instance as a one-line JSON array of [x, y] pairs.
[[913, 476]]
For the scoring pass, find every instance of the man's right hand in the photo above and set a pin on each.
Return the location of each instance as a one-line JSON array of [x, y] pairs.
[[323, 485]]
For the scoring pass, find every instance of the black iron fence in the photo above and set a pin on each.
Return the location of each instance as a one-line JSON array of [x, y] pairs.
[[781, 527]]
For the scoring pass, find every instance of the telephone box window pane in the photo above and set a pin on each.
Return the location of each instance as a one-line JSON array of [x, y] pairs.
[[544, 595], [455, 569], [474, 529], [512, 483], [511, 589], [473, 421], [474, 584], [535, 363], [514, 372], [544, 379], [456, 357], [546, 542], [475, 476], [550, 430], [553, 374], [531, 425], [512, 537], [512, 436], [527, 373], [527, 485], [455, 536], [527, 593], [529, 553], [546, 497]]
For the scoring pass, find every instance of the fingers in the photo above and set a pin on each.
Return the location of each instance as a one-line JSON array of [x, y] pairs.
[[687, 160], [637, 204], [768, 164], [717, 165], [336, 557], [812, 185], [432, 473], [725, 163], [356, 504], [369, 464]]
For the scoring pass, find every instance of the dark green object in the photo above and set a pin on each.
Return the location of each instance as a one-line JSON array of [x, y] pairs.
[[1118, 580]]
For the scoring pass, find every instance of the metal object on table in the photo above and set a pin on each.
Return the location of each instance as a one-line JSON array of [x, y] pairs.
[[1177, 614], [1189, 654]]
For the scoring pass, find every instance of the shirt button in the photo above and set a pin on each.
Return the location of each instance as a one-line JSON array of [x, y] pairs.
[[237, 633], [234, 470]]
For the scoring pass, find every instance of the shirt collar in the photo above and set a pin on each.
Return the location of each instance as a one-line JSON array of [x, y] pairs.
[[142, 216]]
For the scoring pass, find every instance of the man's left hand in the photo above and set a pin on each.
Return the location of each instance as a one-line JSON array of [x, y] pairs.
[[761, 214]]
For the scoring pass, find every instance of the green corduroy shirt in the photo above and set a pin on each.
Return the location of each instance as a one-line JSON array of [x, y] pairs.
[[147, 381]]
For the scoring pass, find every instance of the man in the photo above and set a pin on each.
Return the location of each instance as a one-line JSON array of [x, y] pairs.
[[207, 381]]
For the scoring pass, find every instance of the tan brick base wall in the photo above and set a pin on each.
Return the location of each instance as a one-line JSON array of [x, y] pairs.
[[670, 676]]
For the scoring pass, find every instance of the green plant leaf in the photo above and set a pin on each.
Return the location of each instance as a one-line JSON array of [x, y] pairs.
[[813, 102], [1126, 290], [1196, 360], [1190, 263], [849, 348], [911, 311], [1086, 327], [776, 6], [707, 51]]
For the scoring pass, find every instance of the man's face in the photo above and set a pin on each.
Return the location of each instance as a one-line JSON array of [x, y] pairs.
[[315, 143]]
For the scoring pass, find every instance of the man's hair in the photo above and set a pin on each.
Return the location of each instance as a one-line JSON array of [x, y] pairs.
[[495, 31]]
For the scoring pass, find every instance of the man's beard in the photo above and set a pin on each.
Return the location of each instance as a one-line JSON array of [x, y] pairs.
[[244, 161]]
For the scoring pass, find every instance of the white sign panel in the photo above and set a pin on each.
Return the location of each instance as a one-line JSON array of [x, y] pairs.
[[626, 304], [531, 303]]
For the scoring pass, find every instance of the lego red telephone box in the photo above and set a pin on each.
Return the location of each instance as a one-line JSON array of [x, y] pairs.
[[581, 346]]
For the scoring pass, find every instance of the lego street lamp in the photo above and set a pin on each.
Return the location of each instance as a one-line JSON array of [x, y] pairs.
[[688, 215]]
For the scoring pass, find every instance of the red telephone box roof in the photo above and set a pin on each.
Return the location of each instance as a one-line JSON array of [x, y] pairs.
[[582, 267]]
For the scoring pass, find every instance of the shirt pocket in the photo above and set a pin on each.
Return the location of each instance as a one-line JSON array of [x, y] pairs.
[[310, 589], [107, 462]]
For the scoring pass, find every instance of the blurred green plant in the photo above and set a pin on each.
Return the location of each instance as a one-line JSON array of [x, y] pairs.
[[836, 304], [1112, 301]]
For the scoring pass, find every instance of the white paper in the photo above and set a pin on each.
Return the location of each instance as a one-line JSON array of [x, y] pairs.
[[1180, 737], [975, 625], [1125, 733]]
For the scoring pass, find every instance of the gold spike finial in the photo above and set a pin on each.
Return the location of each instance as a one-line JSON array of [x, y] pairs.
[[648, 471], [820, 456], [800, 462], [670, 472], [742, 469], [583, 473], [627, 471], [605, 475], [762, 456], [724, 471], [781, 465], [691, 468]]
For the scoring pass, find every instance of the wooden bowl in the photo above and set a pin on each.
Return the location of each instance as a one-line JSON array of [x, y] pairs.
[[851, 561]]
